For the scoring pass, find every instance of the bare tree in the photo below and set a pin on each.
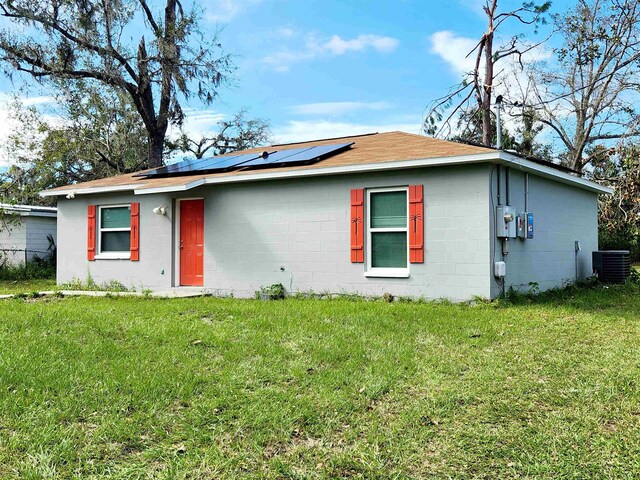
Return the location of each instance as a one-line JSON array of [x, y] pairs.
[[238, 133], [156, 57], [473, 96], [588, 96]]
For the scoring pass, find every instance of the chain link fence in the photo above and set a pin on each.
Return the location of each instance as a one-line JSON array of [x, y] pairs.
[[15, 258], [20, 264]]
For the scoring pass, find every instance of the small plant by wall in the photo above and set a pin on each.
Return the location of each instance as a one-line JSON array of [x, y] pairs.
[[90, 285], [275, 291]]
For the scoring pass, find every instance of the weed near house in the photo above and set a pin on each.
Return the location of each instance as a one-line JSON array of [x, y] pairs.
[[90, 285], [305, 388]]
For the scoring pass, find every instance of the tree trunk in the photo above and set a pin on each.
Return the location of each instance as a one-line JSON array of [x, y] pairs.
[[156, 148], [488, 80]]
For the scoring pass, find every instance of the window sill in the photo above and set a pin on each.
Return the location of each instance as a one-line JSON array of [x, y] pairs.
[[113, 256], [387, 273]]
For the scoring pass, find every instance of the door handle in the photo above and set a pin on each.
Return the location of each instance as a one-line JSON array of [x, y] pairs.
[[181, 245]]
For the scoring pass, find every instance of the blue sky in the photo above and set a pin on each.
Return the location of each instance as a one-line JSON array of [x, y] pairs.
[[329, 68], [322, 69]]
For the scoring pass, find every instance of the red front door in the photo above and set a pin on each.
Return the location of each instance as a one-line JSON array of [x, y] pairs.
[[191, 242]]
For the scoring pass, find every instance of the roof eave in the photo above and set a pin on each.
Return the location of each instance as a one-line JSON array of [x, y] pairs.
[[76, 190], [29, 210], [514, 161], [500, 157]]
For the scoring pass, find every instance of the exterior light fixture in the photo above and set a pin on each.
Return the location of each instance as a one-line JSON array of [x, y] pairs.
[[160, 210]]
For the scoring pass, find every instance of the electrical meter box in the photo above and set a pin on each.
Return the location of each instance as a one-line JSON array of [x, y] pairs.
[[529, 225], [505, 221], [521, 225]]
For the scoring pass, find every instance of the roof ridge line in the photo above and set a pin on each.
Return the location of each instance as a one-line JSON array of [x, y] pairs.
[[322, 139]]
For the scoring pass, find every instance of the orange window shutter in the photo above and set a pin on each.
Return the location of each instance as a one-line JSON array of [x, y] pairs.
[[91, 232], [135, 232], [357, 225], [416, 224]]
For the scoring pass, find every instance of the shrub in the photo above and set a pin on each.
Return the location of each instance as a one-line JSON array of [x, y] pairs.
[[27, 271], [271, 292], [40, 267], [624, 239]]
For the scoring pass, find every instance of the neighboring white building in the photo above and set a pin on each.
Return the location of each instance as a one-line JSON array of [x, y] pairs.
[[369, 214], [25, 235]]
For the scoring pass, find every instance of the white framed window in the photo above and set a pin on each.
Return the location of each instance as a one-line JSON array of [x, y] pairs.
[[387, 243], [114, 231]]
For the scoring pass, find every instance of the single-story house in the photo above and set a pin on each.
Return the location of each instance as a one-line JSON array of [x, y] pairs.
[[24, 232], [368, 214]]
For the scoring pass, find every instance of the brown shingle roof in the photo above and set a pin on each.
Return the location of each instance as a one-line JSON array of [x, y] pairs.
[[367, 149]]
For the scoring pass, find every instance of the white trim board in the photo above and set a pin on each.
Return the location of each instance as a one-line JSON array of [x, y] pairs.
[[514, 161], [29, 210], [86, 191], [499, 157]]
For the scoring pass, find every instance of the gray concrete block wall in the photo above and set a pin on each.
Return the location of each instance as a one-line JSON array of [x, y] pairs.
[[303, 227], [37, 229], [13, 239], [156, 253], [253, 230], [13, 235], [562, 215]]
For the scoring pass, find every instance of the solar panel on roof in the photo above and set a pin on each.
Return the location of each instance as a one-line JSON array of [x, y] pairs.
[[295, 156], [267, 159], [205, 165], [222, 163], [323, 150], [174, 167], [275, 157]]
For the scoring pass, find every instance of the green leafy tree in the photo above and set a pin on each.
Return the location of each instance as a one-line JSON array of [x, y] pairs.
[[97, 133], [151, 52], [619, 222], [522, 140], [527, 130], [471, 124]]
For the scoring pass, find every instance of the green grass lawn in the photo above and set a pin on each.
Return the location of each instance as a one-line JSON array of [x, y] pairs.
[[224, 388], [27, 286]]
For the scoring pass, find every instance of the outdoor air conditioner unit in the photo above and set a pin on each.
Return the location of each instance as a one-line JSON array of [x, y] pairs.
[[612, 266]]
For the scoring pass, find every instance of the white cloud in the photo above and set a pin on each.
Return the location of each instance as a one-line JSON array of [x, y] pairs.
[[333, 46], [299, 131], [339, 46], [510, 80], [475, 6], [226, 10], [336, 108], [198, 123], [286, 32], [281, 61], [453, 49]]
